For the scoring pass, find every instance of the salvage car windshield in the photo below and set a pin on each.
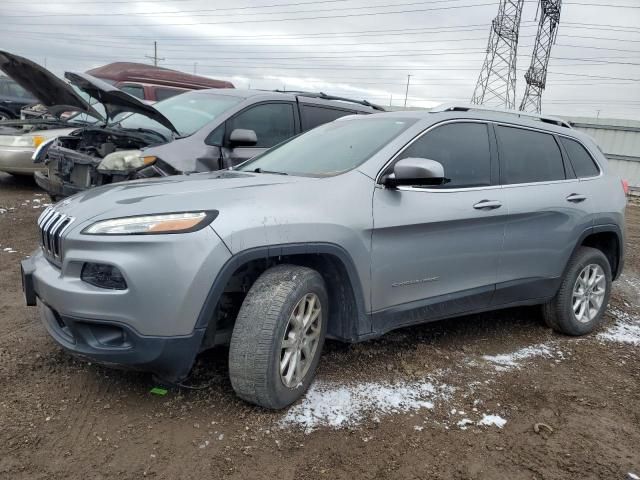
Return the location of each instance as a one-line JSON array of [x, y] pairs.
[[330, 149], [188, 112]]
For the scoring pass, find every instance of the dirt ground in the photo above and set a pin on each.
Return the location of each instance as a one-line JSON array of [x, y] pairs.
[[428, 402]]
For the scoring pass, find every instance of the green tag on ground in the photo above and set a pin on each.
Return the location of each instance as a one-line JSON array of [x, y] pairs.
[[158, 391]]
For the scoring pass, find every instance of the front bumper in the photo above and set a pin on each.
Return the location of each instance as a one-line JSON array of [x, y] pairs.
[[116, 345], [18, 161], [150, 326], [56, 188]]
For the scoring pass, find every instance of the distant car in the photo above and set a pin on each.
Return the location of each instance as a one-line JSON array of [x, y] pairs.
[[13, 98], [151, 83], [32, 123], [197, 131]]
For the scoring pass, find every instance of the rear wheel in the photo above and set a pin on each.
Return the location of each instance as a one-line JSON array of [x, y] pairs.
[[278, 336], [582, 299]]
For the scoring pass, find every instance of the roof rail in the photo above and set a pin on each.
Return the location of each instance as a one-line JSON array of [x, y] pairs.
[[324, 96], [448, 107]]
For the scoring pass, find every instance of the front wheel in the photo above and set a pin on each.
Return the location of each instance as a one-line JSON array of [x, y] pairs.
[[278, 336], [579, 305]]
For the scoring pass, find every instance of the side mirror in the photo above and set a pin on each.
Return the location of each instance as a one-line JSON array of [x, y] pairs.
[[243, 138], [414, 172]]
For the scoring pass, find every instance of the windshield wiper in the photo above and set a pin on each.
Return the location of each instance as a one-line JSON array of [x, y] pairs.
[[260, 170]]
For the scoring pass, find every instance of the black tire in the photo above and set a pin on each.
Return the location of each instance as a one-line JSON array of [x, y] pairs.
[[256, 342], [558, 312]]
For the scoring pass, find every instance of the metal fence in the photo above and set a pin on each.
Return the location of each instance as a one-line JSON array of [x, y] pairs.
[[620, 142]]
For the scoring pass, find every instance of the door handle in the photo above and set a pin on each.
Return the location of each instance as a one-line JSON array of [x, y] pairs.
[[576, 198], [487, 205]]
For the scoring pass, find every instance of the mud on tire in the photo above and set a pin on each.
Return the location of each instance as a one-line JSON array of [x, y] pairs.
[[559, 312], [257, 343]]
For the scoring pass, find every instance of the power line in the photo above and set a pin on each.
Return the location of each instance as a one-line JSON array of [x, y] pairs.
[[228, 22], [226, 9]]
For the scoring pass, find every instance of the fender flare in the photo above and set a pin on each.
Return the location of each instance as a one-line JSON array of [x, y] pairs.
[[274, 251], [604, 228]]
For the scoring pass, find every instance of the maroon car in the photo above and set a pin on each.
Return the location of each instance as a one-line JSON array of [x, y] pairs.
[[151, 83]]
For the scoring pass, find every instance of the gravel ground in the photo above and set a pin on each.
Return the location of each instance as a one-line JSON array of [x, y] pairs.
[[492, 396]]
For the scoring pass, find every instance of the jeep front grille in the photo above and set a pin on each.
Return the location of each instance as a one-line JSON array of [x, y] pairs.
[[52, 225]]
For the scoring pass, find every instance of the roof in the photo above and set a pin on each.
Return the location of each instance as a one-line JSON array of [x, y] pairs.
[[143, 73], [306, 97]]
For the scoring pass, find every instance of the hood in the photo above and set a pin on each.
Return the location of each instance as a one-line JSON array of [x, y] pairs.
[[116, 101], [203, 191], [44, 85], [59, 97]]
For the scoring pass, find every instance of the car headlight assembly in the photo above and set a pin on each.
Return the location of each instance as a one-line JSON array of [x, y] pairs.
[[125, 160], [32, 141], [168, 223]]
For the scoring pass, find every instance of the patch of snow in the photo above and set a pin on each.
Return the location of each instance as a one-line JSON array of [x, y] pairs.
[[492, 420], [508, 361], [626, 329], [9, 250], [3, 210], [464, 422], [336, 406], [418, 428]]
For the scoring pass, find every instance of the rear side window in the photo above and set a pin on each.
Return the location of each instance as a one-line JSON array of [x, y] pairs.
[[272, 122], [582, 162], [162, 93], [312, 115], [528, 156], [133, 90], [461, 148]]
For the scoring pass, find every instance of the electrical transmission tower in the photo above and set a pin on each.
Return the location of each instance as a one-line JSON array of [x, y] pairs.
[[536, 75], [497, 81]]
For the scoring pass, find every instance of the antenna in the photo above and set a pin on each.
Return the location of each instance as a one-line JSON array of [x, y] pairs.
[[536, 76], [497, 81]]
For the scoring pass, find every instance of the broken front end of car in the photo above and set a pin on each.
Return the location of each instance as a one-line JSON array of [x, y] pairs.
[[92, 157]]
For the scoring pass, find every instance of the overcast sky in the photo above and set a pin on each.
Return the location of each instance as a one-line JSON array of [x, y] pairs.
[[360, 48]]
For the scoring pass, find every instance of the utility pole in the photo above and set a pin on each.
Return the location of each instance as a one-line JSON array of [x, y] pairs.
[[496, 85], [406, 93], [155, 57], [536, 75]]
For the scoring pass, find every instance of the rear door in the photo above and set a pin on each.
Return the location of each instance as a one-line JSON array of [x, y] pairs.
[[547, 213], [435, 250], [273, 123]]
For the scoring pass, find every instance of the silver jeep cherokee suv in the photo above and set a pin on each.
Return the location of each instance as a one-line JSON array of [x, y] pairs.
[[358, 227]]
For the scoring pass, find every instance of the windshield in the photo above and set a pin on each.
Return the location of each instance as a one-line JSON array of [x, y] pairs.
[[188, 112], [330, 149]]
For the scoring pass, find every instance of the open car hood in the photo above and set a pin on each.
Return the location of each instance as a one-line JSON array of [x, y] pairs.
[[50, 90], [116, 101]]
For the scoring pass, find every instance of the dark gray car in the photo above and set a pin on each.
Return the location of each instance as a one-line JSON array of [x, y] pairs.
[[358, 227]]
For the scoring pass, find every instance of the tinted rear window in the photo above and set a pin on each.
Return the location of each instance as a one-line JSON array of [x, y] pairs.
[[312, 116], [528, 156], [582, 162]]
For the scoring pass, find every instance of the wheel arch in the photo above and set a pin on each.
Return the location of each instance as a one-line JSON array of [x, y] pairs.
[[609, 240], [348, 320]]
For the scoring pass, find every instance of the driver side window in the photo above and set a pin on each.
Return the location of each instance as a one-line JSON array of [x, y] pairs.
[[272, 122], [462, 149]]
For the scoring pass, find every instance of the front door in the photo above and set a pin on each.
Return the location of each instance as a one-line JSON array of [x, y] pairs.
[[273, 123], [435, 250]]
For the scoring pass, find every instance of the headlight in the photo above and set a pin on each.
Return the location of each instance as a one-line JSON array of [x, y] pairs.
[[21, 140], [153, 224], [125, 160]]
